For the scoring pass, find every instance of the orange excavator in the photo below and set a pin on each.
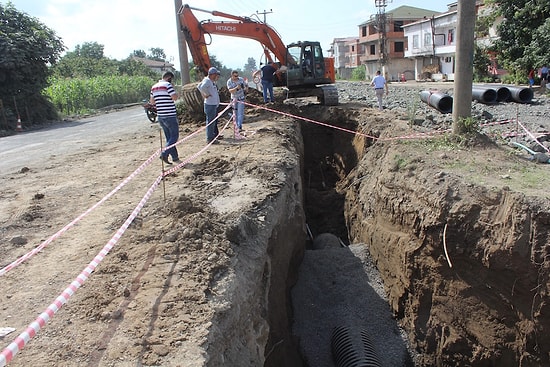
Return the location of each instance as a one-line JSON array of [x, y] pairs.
[[302, 68]]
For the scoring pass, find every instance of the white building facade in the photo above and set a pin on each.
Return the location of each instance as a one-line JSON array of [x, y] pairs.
[[432, 46]]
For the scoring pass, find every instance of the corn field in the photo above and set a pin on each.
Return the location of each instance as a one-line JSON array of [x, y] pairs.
[[77, 96]]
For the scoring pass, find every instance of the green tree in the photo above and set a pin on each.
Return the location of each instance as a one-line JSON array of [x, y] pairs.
[[157, 54], [139, 53], [89, 50], [523, 35], [359, 73], [250, 66], [27, 48], [481, 64], [132, 67]]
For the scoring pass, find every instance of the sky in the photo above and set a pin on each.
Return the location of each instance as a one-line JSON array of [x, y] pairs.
[[123, 26]]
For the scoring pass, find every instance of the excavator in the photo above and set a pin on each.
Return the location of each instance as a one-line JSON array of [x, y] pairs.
[[301, 68]]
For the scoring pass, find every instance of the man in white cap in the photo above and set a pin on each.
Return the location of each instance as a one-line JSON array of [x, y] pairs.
[[209, 92]]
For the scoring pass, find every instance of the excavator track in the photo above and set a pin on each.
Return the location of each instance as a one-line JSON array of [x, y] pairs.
[[329, 95]]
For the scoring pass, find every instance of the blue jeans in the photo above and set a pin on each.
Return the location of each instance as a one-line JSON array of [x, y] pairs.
[[211, 112], [238, 110], [171, 130], [267, 87]]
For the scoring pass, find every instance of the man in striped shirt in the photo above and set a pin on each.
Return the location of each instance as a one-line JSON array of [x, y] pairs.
[[163, 96]]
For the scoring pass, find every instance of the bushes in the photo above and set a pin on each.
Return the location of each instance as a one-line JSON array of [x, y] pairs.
[[78, 95]]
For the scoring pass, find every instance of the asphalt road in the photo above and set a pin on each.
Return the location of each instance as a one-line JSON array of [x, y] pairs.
[[26, 147]]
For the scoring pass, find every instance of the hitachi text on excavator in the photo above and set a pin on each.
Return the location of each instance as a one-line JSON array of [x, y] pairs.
[[302, 68]]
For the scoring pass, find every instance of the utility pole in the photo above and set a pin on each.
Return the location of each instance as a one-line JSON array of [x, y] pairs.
[[264, 13], [464, 72], [182, 46], [381, 21]]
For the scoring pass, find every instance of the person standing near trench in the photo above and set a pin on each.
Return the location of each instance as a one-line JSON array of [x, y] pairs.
[[379, 83], [267, 75], [163, 96], [238, 89], [209, 91]]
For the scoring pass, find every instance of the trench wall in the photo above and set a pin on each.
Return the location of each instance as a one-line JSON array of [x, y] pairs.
[[253, 325], [491, 307]]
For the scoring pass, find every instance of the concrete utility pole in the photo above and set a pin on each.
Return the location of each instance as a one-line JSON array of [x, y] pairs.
[[464, 71], [264, 13], [381, 21], [182, 46]]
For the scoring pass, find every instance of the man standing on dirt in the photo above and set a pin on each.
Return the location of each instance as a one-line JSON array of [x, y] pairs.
[[238, 89], [379, 83], [163, 96], [209, 92], [268, 72]]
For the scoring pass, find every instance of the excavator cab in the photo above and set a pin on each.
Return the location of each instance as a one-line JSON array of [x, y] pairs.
[[306, 65]]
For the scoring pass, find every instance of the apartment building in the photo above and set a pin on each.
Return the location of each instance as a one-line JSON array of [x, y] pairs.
[[346, 55], [420, 44], [432, 45], [382, 41]]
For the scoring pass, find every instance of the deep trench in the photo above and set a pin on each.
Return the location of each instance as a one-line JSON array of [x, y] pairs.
[[329, 156]]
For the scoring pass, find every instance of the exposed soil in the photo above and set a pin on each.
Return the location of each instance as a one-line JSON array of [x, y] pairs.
[[202, 276]]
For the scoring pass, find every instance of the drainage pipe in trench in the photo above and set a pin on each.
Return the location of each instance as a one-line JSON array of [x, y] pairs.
[[353, 348], [440, 101]]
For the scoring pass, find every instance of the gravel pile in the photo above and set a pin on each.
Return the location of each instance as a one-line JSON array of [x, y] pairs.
[[405, 98]]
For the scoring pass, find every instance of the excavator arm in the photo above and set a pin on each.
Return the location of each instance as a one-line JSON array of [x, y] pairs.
[[306, 72], [244, 27]]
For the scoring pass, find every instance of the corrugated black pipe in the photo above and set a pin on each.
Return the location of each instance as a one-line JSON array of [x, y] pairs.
[[484, 95], [440, 101], [353, 348], [521, 94]]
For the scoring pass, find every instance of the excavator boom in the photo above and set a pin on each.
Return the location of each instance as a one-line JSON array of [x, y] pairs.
[[306, 72], [244, 27]]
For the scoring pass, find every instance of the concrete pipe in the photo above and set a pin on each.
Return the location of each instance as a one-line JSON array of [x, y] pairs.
[[440, 101], [484, 95], [521, 94]]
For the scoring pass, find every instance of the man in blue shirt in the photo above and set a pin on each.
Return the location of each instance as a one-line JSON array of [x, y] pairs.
[[379, 83], [268, 72]]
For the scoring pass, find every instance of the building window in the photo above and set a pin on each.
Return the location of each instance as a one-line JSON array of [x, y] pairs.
[[397, 26], [373, 49], [363, 31], [448, 59], [415, 41], [427, 39], [399, 47], [451, 36]]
